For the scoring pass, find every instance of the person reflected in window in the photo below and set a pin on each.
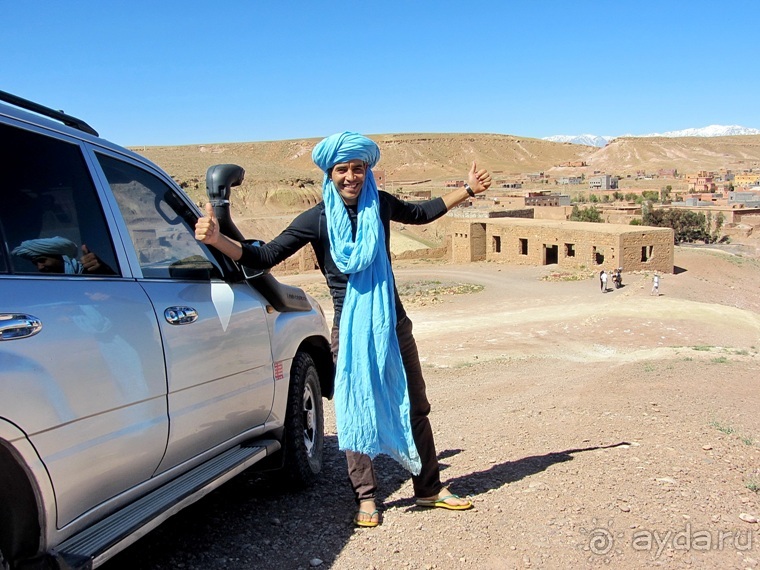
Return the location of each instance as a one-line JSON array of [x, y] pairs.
[[59, 255]]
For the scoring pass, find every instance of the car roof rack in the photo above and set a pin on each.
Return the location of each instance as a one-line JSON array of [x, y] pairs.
[[67, 120]]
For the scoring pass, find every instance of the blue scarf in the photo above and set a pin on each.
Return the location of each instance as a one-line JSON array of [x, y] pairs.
[[371, 397]]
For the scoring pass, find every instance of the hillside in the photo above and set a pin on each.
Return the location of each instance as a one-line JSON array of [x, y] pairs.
[[687, 154], [437, 157], [282, 180], [403, 156]]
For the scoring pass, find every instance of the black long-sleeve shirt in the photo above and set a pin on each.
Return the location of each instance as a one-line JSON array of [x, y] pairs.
[[311, 227]]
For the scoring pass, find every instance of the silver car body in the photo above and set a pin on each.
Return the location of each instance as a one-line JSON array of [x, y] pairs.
[[133, 380]]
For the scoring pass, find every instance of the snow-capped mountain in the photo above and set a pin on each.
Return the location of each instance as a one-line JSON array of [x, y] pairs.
[[710, 131], [590, 140]]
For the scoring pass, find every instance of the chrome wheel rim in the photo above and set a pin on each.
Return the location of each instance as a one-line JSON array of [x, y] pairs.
[[309, 419]]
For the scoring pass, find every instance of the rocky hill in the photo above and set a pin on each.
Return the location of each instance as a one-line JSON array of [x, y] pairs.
[[437, 157], [404, 157], [281, 178], [687, 154]]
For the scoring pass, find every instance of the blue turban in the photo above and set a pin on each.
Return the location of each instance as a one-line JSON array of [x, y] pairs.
[[371, 395], [342, 147], [33, 248], [67, 249]]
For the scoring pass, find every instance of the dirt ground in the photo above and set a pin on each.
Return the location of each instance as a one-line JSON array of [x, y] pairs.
[[591, 429]]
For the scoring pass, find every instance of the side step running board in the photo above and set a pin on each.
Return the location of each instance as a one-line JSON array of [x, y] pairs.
[[98, 543]]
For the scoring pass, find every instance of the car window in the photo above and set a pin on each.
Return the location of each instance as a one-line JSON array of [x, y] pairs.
[[51, 219], [161, 225]]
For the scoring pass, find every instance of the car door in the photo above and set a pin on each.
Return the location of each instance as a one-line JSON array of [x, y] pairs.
[[81, 365], [215, 334]]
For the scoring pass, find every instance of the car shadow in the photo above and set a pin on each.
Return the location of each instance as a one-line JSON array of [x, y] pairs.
[[256, 520]]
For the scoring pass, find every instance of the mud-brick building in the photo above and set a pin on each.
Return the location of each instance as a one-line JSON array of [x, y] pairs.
[[563, 243]]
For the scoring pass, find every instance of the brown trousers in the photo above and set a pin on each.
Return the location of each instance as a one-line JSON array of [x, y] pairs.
[[360, 470]]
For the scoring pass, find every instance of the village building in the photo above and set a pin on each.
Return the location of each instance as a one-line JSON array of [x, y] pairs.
[[746, 199], [546, 199], [379, 179], [667, 173], [572, 245], [415, 195], [567, 180], [535, 177], [603, 182], [746, 179], [509, 184], [702, 182]]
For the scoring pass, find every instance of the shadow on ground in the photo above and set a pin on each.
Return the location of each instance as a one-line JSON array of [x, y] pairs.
[[255, 521]]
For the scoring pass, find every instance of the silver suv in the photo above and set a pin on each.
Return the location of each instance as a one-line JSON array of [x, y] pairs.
[[139, 369]]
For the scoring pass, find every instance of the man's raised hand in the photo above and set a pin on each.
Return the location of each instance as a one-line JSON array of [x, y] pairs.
[[479, 180], [89, 260], [207, 227]]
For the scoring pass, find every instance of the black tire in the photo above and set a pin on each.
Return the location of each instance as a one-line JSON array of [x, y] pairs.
[[3, 563], [304, 423]]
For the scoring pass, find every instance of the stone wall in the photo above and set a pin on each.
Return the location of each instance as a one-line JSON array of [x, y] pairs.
[[553, 213], [647, 248], [483, 213], [565, 244], [424, 253]]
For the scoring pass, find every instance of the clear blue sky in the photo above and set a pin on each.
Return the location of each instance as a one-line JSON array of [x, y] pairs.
[[168, 72]]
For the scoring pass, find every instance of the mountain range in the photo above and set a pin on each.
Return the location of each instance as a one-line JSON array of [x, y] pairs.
[[709, 131]]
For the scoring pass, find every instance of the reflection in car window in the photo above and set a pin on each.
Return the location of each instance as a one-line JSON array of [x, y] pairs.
[[160, 224], [51, 217]]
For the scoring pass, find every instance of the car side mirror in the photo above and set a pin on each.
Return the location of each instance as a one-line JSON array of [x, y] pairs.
[[220, 178]]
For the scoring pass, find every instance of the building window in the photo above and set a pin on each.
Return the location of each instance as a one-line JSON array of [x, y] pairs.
[[569, 250], [523, 246], [646, 253], [497, 244]]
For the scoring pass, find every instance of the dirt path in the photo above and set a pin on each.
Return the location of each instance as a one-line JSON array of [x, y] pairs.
[[591, 430]]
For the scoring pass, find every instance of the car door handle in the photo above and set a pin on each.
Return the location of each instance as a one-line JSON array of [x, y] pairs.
[[15, 325], [180, 315]]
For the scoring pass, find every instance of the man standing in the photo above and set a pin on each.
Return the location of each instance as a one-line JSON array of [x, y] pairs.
[[655, 285], [380, 399], [603, 279]]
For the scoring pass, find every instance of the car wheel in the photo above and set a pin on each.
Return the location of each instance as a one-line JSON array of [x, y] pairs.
[[304, 422], [3, 563]]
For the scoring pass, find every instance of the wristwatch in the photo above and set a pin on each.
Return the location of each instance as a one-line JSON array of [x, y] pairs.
[[469, 190]]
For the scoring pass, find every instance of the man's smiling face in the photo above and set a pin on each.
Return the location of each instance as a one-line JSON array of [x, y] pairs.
[[348, 178]]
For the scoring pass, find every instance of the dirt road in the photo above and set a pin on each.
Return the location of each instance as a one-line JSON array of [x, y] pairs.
[[591, 430]]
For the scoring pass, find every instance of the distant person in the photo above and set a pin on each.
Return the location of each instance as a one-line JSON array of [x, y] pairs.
[[603, 279], [380, 401], [59, 255], [617, 277], [655, 285]]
